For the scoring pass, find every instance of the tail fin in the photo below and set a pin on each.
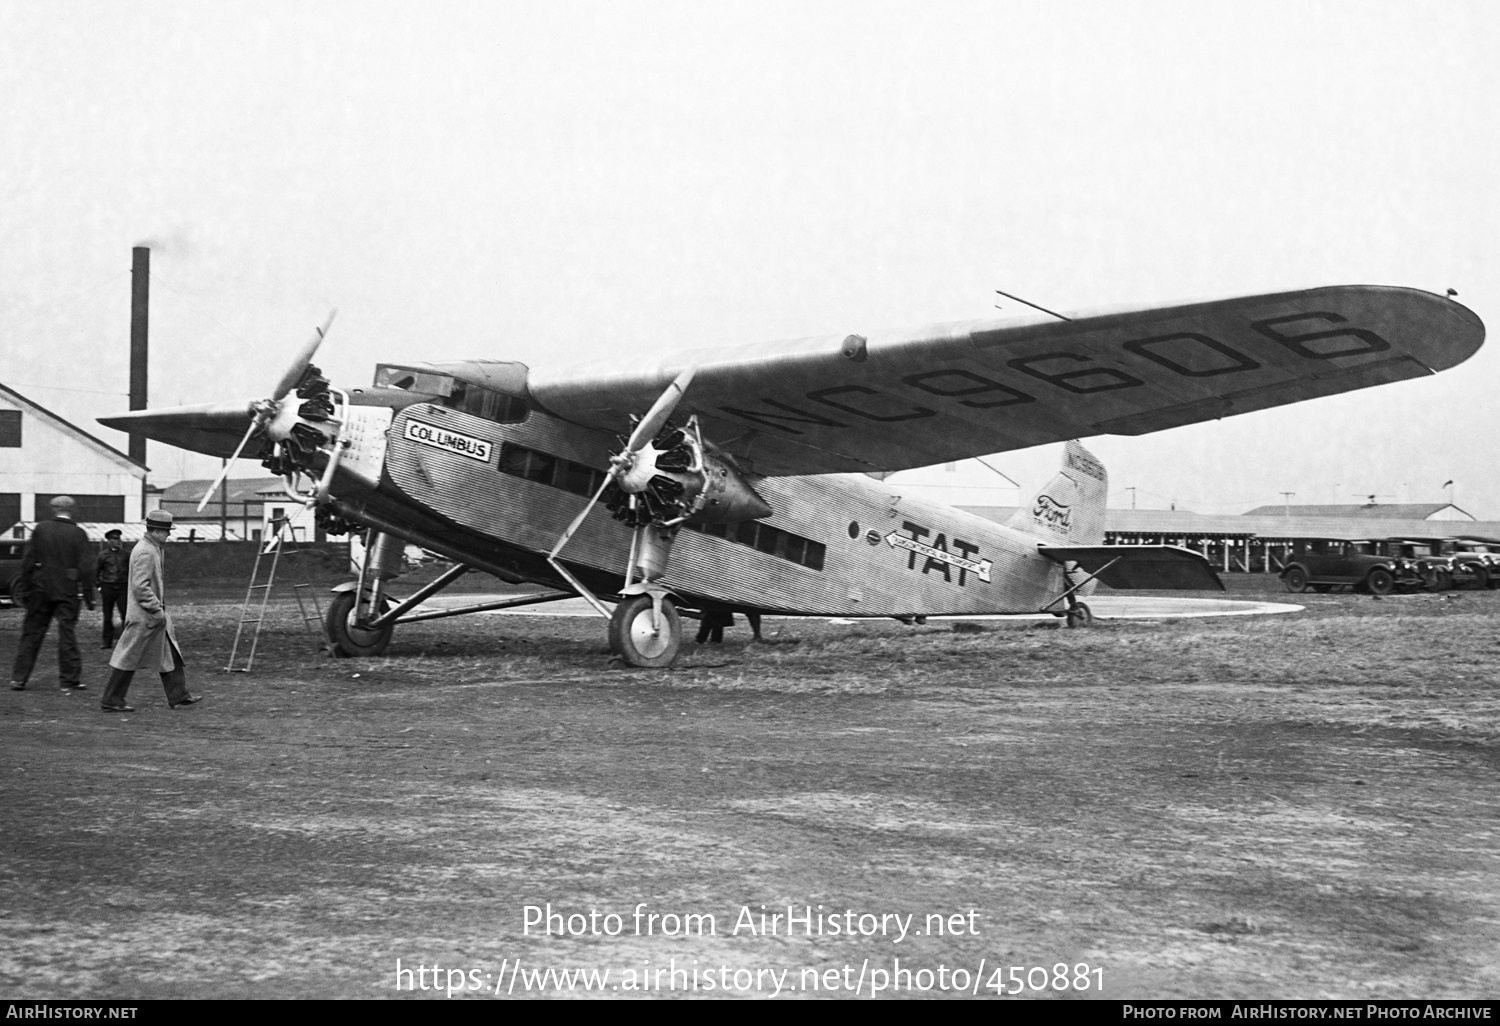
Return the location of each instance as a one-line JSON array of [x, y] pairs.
[[1071, 507]]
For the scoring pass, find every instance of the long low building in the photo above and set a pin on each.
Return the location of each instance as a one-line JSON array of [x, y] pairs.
[[1262, 543]]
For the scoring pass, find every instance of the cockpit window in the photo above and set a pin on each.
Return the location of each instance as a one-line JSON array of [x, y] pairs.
[[456, 394], [486, 402], [412, 379]]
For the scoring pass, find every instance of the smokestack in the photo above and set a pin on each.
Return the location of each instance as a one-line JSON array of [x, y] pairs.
[[140, 301]]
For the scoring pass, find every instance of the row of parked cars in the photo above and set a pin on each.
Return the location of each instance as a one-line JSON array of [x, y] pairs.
[[1381, 566]]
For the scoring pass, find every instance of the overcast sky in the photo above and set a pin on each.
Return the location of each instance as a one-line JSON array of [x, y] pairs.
[[513, 180]]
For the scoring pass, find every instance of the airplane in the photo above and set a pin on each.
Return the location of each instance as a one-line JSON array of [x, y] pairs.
[[749, 477]]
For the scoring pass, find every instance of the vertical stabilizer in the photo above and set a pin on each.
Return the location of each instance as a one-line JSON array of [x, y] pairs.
[[1070, 509]]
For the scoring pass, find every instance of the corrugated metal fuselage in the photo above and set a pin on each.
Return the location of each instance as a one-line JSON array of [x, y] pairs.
[[885, 554]]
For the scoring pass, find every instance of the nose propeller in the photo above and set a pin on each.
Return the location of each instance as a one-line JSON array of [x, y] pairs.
[[269, 411]]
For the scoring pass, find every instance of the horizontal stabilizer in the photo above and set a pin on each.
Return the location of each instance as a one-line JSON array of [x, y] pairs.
[[1163, 567]]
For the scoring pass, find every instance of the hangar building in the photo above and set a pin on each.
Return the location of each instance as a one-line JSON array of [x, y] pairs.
[[42, 455], [1368, 511], [1257, 542]]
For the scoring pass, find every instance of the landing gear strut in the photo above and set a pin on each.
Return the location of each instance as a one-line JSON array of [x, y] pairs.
[[1077, 614]]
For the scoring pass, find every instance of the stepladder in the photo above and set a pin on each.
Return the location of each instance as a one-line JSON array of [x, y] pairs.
[[258, 596]]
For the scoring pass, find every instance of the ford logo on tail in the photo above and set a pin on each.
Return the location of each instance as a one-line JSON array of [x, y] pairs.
[[1052, 514]]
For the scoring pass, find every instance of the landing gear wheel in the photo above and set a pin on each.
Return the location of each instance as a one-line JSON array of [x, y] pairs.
[[1080, 615], [1380, 582], [1295, 580], [345, 634], [637, 640]]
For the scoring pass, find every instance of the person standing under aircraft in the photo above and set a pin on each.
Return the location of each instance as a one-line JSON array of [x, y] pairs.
[[53, 566], [110, 571], [711, 629], [715, 619], [148, 641]]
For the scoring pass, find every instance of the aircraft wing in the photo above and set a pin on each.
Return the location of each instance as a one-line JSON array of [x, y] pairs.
[[885, 401], [1164, 567], [212, 428]]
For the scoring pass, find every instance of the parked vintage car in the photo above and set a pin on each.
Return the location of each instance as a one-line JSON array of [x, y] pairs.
[[10, 568], [1366, 565], [1467, 562], [1488, 557]]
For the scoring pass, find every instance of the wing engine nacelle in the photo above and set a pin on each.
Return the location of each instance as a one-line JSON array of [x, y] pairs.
[[726, 497], [674, 478]]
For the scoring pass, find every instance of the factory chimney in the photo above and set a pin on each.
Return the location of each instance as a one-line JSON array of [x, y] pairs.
[[140, 301]]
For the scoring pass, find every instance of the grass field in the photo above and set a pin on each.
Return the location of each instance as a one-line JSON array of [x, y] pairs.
[[1301, 805]]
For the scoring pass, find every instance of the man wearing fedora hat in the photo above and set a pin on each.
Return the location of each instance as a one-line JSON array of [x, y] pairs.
[[57, 561], [148, 641]]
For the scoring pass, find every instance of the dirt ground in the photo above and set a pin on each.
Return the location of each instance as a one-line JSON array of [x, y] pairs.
[[1283, 806]]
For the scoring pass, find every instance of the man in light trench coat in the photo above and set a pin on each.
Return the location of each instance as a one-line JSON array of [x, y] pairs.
[[147, 641]]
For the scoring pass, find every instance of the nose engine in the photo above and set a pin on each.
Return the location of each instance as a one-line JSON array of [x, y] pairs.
[[300, 427]]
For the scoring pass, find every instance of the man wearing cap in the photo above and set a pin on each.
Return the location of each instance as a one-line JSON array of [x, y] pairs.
[[56, 563], [111, 571], [147, 642]]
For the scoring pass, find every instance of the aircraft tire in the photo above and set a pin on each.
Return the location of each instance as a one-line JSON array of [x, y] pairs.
[[345, 637], [1080, 616], [632, 638], [1380, 582]]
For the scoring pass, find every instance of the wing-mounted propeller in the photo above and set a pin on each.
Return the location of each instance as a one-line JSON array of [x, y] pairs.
[[663, 480], [661, 476], [293, 431], [677, 477]]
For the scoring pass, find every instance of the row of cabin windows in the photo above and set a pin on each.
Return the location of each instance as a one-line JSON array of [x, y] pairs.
[[549, 470], [768, 539], [582, 480]]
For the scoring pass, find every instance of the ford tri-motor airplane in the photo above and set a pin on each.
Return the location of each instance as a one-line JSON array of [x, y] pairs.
[[747, 478]]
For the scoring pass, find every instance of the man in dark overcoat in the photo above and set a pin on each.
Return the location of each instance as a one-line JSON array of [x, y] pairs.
[[148, 641], [111, 572], [57, 562]]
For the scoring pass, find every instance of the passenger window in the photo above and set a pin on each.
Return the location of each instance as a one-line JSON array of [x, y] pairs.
[[541, 469], [578, 479], [513, 460]]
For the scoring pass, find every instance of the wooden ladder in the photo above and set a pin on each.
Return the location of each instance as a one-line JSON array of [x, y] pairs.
[[251, 614]]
